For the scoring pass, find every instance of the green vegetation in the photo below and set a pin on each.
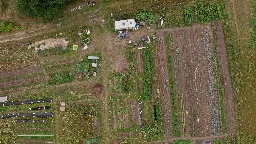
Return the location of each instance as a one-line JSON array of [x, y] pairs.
[[253, 31], [182, 142], [45, 9], [203, 12], [221, 94], [123, 82], [60, 78], [188, 14], [36, 138], [85, 67], [156, 114], [146, 16], [147, 58], [55, 51], [153, 132], [6, 131], [79, 118], [176, 131], [7, 27]]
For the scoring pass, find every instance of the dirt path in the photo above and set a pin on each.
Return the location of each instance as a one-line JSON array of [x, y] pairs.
[[106, 67], [164, 86], [20, 82], [34, 141], [191, 138], [235, 15], [224, 66], [184, 138], [140, 63], [20, 72]]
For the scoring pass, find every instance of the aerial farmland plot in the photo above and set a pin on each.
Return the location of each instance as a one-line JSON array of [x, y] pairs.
[[200, 97], [126, 72]]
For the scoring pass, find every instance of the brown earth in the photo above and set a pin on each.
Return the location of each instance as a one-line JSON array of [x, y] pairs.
[[20, 72], [229, 93], [190, 72], [140, 65], [134, 111], [34, 141], [97, 89], [120, 64], [191, 75], [165, 97], [20, 82]]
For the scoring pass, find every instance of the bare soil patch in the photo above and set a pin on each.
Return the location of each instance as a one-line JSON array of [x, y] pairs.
[[20, 72], [134, 111], [97, 89], [34, 141], [191, 75], [120, 64], [164, 86], [140, 64], [195, 87], [229, 93], [21, 82], [50, 43]]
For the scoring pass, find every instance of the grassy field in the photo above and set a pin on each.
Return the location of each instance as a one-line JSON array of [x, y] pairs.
[[245, 76]]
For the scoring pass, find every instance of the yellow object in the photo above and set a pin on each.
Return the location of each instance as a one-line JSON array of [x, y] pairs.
[[75, 47]]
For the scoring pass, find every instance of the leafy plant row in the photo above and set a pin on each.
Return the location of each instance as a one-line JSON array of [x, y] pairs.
[[203, 12], [7, 27], [253, 32], [156, 114], [175, 123], [147, 58]]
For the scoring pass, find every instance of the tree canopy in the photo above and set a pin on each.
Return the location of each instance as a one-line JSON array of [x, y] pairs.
[[45, 9]]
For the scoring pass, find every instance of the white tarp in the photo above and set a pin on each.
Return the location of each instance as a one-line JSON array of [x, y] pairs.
[[3, 99], [93, 57]]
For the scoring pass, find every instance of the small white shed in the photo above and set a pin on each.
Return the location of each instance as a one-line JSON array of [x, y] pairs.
[[125, 24]]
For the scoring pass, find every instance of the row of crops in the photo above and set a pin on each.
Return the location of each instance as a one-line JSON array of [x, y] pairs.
[[219, 79], [175, 123], [203, 12], [135, 89], [200, 12], [147, 58], [253, 31]]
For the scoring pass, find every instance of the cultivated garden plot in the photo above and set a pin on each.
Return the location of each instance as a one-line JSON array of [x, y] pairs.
[[33, 118], [134, 104], [20, 69], [79, 123], [191, 86]]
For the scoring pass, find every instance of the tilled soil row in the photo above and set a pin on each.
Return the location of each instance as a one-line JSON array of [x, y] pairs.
[[164, 86], [229, 92]]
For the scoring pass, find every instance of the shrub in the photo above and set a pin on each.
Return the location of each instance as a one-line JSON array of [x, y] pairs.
[[6, 27], [203, 12], [45, 9]]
